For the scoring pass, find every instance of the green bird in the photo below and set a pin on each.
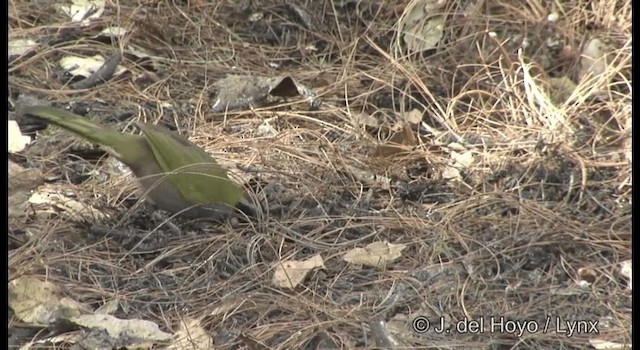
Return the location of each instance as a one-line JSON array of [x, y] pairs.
[[175, 174]]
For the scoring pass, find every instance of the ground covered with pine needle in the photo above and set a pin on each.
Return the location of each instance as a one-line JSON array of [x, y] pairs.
[[496, 159]]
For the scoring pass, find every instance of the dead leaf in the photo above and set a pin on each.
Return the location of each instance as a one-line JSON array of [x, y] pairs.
[[226, 305], [107, 329], [113, 32], [587, 275], [365, 119], [288, 274], [40, 303], [413, 117], [66, 338], [102, 74], [401, 143], [266, 129], [462, 160], [21, 182], [455, 146], [626, 271], [46, 199], [196, 3], [86, 66], [17, 141], [19, 47], [191, 336], [600, 344], [450, 173], [422, 24], [593, 61], [376, 254], [82, 10], [21, 179], [242, 91], [369, 178]]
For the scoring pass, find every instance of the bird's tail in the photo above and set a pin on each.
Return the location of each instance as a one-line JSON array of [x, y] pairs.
[[87, 129]]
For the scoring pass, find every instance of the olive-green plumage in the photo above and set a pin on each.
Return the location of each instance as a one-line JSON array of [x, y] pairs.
[[174, 173]]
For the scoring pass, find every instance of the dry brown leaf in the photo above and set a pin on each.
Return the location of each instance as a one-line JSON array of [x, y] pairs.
[[19, 47], [369, 178], [365, 119], [46, 199], [196, 3], [413, 117], [17, 141], [407, 327], [399, 144], [288, 274], [21, 179], [462, 160], [40, 303], [600, 344], [191, 336], [86, 66], [82, 10], [243, 91], [112, 331], [66, 338], [376, 254], [421, 26], [21, 182], [626, 271], [450, 173], [593, 61], [587, 275], [266, 129], [113, 32]]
